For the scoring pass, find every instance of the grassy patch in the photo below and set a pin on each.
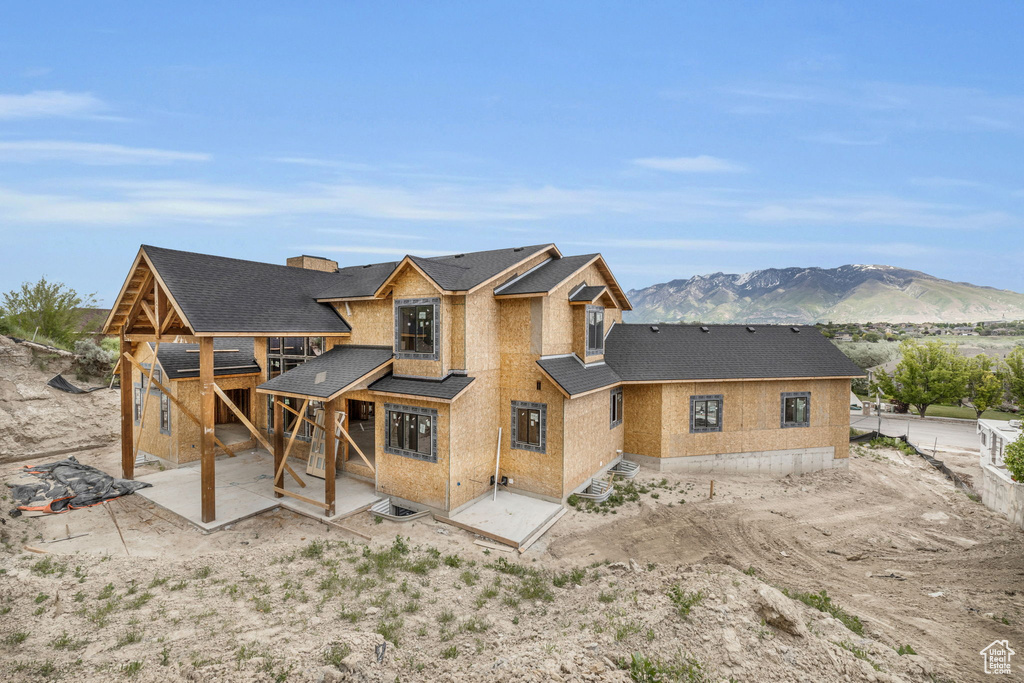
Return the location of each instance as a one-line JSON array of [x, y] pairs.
[[684, 601], [644, 669], [336, 653], [391, 629], [48, 566], [574, 577], [905, 650], [66, 642], [450, 653], [16, 638], [859, 654], [823, 603]]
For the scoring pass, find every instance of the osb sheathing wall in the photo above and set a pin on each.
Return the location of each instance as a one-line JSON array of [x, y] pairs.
[[565, 323], [410, 284], [750, 418], [186, 432], [372, 322], [152, 440], [590, 442], [540, 473]]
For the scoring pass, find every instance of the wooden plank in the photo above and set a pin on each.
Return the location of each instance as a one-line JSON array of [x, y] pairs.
[[304, 499], [168, 319], [278, 450], [479, 532], [355, 446], [207, 423], [251, 427], [149, 314], [288, 449], [167, 392], [145, 403], [494, 546], [330, 450], [360, 534], [543, 530], [127, 419]]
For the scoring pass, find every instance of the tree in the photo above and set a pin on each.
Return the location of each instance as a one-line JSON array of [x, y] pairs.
[[1014, 370], [929, 373], [872, 337], [1013, 458], [985, 386], [52, 307]]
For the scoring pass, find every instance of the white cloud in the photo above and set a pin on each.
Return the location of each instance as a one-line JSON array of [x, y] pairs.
[[697, 164], [322, 163], [846, 140], [49, 103], [744, 246], [30, 151]]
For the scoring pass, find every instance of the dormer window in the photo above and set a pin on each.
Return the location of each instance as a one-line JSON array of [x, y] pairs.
[[595, 330], [417, 322]]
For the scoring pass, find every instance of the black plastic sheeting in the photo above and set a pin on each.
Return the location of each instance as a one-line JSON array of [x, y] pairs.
[[933, 461], [59, 382], [68, 485]]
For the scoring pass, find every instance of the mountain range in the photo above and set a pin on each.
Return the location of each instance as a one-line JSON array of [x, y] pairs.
[[852, 293]]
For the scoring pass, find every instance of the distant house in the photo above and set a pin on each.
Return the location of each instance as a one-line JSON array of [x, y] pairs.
[[440, 373], [844, 336]]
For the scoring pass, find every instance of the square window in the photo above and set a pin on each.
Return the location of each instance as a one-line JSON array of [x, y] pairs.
[[416, 326], [706, 413], [529, 426], [796, 409], [615, 409], [411, 431]]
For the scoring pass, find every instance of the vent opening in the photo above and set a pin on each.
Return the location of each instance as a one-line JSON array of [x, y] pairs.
[[654, 328], [750, 329], [704, 328], [796, 330]]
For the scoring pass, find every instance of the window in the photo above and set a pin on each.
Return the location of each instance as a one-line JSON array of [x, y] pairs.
[[796, 409], [595, 330], [165, 414], [416, 326], [142, 374], [616, 407], [706, 413], [411, 431], [158, 376], [284, 354], [138, 402], [529, 426]]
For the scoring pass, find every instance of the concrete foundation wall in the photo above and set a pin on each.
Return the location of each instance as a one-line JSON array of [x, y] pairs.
[[1000, 493], [771, 463]]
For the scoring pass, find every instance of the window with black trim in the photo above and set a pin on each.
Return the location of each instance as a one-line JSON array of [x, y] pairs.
[[529, 426], [158, 376], [284, 354], [796, 409], [416, 325], [706, 413], [595, 330], [615, 409], [411, 432], [137, 401], [165, 414]]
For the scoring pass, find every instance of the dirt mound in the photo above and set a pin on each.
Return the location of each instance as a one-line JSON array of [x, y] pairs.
[[36, 419]]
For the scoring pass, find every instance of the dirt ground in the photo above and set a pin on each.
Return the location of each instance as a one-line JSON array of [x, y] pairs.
[[673, 586]]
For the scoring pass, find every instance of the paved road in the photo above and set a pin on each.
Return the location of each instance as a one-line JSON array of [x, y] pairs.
[[923, 433]]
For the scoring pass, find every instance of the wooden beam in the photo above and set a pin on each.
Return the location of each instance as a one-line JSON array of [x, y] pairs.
[[149, 314], [278, 446], [167, 392], [127, 419], [251, 427], [207, 425], [288, 449], [304, 499], [330, 452], [136, 309], [168, 319], [361, 455], [145, 404], [157, 307]]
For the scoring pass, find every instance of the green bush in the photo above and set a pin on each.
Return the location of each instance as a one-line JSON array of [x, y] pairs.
[[1013, 458], [51, 307]]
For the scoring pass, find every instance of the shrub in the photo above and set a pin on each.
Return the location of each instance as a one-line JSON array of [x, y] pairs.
[[93, 360], [1013, 458], [823, 603], [683, 600]]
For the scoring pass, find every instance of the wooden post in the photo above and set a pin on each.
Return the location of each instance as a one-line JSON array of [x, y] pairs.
[[127, 416], [207, 427], [344, 426], [278, 447], [330, 451]]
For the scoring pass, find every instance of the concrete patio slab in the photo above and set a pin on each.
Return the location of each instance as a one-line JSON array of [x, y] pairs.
[[510, 519], [244, 487]]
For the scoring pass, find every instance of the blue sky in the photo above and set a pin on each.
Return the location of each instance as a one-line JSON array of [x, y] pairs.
[[675, 138]]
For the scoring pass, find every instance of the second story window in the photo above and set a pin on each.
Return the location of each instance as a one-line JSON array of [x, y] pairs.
[[595, 330], [417, 322]]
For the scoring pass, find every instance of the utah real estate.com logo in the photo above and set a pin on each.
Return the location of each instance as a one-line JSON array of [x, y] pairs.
[[997, 657]]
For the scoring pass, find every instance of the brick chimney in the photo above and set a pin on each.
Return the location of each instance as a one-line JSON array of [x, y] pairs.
[[313, 263]]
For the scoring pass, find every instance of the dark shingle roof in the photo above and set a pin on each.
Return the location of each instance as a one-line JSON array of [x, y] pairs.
[[587, 294], [219, 294], [180, 361], [461, 272], [336, 370], [574, 377], [546, 277], [685, 352], [447, 389], [357, 281]]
